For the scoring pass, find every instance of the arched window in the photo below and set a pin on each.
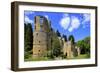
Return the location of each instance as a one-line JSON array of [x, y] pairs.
[[66, 54], [39, 50], [37, 34], [35, 20], [41, 21]]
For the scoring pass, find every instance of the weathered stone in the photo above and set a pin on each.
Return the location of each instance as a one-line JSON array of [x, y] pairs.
[[42, 40]]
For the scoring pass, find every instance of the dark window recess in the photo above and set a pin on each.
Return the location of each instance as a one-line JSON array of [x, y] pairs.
[[39, 41], [36, 33], [35, 19], [39, 50], [66, 54]]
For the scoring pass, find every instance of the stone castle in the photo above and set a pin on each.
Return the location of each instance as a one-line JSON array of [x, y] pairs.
[[42, 39]]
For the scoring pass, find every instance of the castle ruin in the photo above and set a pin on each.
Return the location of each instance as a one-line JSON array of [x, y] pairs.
[[42, 39]]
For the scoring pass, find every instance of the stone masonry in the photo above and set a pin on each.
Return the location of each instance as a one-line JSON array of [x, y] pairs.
[[42, 40]]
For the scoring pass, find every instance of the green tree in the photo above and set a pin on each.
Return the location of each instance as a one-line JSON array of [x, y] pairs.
[[56, 52], [56, 46], [65, 37], [84, 45], [58, 33], [28, 39], [87, 44], [71, 38]]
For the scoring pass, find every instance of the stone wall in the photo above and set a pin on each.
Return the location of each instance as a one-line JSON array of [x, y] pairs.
[[69, 50], [41, 38], [39, 44]]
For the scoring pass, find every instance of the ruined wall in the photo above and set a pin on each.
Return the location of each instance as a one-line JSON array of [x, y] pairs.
[[39, 44], [68, 49], [41, 38]]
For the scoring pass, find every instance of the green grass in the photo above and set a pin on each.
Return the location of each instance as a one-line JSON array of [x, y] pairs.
[[81, 56], [37, 59]]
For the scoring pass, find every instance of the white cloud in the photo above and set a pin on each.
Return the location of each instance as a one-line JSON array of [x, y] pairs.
[[72, 22], [86, 18], [27, 20], [70, 29], [65, 21], [75, 23]]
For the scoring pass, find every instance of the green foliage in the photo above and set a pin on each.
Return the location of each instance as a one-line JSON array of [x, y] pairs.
[[84, 45], [55, 41], [65, 37], [56, 46], [64, 56], [58, 33], [87, 44], [50, 55], [28, 40], [71, 38], [56, 52]]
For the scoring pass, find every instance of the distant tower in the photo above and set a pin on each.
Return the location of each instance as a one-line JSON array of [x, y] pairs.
[[68, 49], [40, 36]]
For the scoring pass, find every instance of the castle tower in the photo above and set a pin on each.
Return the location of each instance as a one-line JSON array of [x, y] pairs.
[[68, 49], [40, 36]]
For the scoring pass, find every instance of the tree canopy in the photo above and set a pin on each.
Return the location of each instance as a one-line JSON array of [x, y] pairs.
[[65, 37], [84, 45], [28, 39], [58, 33], [71, 38]]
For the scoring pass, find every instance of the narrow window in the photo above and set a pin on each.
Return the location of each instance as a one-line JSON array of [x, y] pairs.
[[39, 41], [36, 33], [66, 54], [35, 20], [39, 50]]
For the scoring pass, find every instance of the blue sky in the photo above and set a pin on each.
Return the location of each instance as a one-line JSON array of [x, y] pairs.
[[76, 24]]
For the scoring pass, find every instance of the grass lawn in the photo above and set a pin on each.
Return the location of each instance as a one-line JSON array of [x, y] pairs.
[[81, 56], [37, 59]]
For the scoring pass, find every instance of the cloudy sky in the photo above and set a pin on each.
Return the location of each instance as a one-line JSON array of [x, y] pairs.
[[76, 24]]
